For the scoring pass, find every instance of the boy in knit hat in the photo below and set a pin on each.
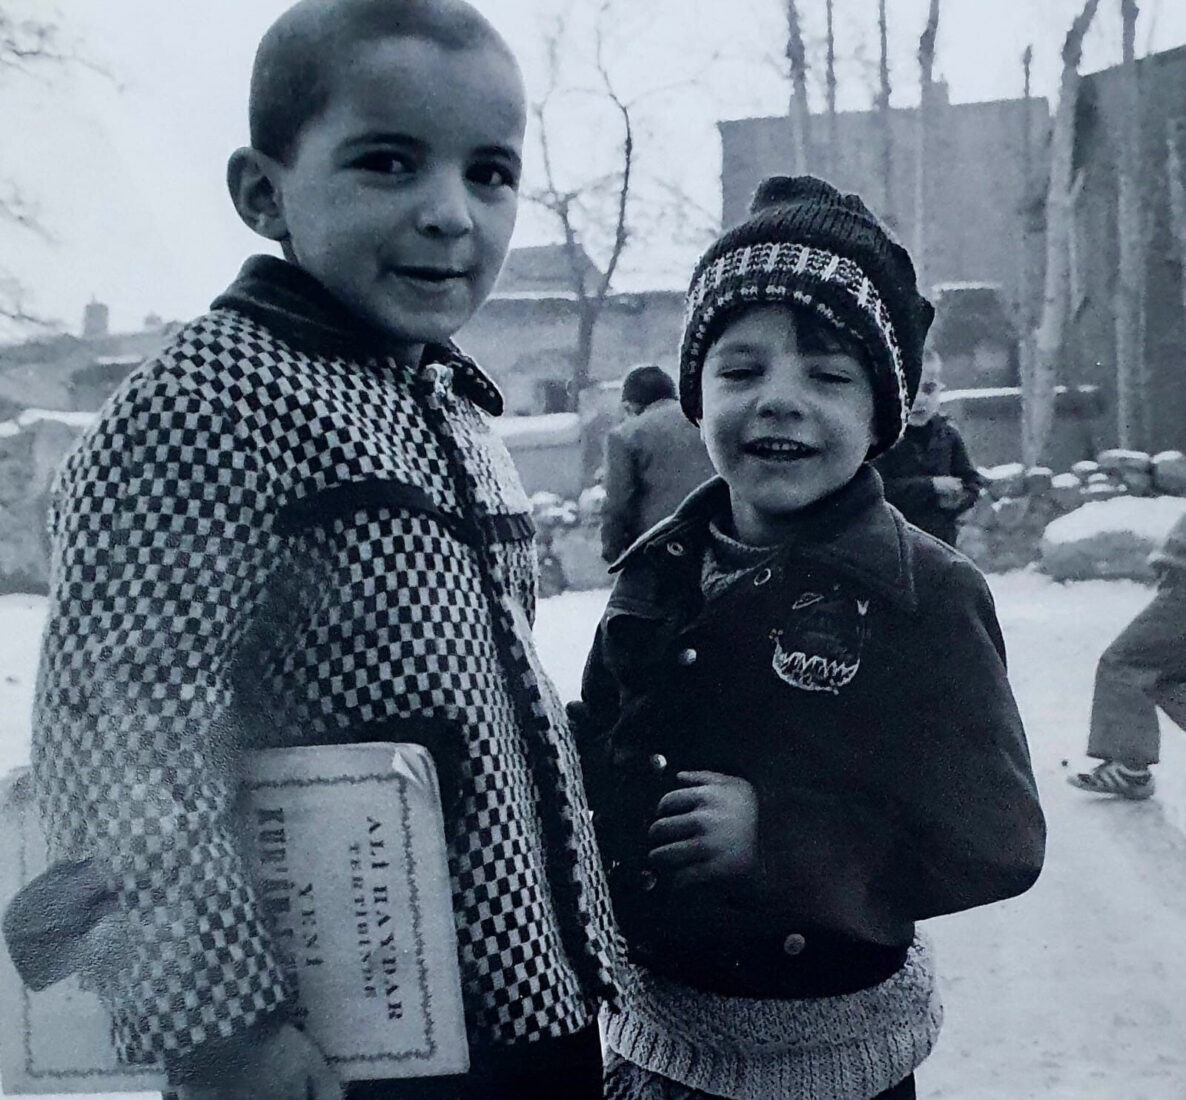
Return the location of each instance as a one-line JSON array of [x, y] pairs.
[[295, 526], [796, 727]]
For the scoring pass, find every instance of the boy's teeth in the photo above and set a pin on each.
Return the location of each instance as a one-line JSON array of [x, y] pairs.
[[780, 447]]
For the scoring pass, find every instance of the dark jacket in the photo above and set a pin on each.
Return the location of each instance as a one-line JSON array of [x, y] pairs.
[[857, 680], [926, 451], [652, 461]]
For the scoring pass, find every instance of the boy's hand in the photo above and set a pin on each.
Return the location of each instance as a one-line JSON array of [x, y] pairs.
[[285, 1064], [949, 490], [707, 829]]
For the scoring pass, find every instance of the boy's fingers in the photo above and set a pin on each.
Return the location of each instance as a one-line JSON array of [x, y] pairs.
[[667, 829], [702, 779], [680, 801], [683, 853]]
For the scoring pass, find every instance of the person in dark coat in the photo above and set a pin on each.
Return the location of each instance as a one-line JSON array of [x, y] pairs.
[[928, 475], [653, 460], [795, 723], [1143, 669]]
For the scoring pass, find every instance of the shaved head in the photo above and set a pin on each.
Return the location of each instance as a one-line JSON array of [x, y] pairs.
[[302, 52]]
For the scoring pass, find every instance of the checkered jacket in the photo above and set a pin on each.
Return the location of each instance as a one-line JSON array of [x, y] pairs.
[[263, 541]]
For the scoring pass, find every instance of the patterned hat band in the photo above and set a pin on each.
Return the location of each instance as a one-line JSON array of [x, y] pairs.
[[833, 286]]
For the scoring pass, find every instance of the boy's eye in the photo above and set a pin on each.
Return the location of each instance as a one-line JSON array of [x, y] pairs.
[[493, 174], [737, 368], [385, 162]]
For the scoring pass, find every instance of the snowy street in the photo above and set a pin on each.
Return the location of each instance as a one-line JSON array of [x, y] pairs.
[[1071, 992]]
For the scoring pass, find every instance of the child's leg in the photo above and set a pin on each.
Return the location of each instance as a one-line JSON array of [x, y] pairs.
[[1145, 663]]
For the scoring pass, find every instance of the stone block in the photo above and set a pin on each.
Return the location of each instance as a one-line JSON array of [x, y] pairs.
[[1084, 469], [1006, 480], [1169, 473], [1066, 491], [1118, 460], [1011, 512], [1038, 480], [1138, 482]]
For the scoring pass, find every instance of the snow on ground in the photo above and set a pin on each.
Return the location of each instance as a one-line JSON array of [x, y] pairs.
[[1054, 633]]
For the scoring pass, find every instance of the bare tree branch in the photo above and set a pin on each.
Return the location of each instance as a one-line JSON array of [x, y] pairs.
[[800, 113]]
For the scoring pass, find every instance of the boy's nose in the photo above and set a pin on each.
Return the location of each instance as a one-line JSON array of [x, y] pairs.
[[445, 211], [782, 395]]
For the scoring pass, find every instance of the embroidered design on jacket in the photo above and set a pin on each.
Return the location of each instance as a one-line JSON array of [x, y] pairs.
[[828, 634]]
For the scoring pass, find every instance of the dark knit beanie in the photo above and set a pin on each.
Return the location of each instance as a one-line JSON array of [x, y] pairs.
[[809, 246]]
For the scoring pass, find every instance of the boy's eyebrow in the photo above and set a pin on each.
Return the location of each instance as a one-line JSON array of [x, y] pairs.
[[394, 137], [725, 346]]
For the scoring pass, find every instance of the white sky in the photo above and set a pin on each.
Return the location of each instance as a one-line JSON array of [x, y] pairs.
[[127, 173]]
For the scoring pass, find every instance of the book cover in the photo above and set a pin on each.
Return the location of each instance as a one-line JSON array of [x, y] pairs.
[[348, 853]]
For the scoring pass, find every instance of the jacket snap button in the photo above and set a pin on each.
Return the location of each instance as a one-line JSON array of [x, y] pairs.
[[794, 944], [687, 656], [648, 880], [763, 575], [676, 549], [659, 762]]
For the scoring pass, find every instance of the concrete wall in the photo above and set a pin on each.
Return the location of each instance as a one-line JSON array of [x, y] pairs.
[[975, 187], [527, 342], [990, 422]]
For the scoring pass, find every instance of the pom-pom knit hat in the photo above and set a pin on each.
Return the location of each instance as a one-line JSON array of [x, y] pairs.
[[807, 245]]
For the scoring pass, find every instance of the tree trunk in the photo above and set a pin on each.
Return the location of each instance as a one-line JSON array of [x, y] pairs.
[[923, 144], [1038, 403], [800, 113], [1027, 311], [1130, 397], [1176, 170], [830, 84], [883, 105]]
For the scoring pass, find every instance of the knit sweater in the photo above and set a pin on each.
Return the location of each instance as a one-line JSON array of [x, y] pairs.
[[850, 1047], [274, 534]]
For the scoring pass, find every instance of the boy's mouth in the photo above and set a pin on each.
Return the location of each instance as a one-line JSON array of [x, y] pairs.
[[435, 275], [779, 450]]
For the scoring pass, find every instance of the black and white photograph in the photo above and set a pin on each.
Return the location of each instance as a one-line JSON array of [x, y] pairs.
[[593, 550]]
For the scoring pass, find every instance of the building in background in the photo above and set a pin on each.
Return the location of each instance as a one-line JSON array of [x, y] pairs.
[[525, 333], [76, 373], [1090, 351]]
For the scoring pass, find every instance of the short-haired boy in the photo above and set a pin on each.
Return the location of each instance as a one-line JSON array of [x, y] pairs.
[[295, 526], [797, 730]]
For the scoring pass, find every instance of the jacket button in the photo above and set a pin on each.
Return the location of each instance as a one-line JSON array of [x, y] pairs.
[[793, 944], [676, 549], [648, 880], [659, 763], [687, 656]]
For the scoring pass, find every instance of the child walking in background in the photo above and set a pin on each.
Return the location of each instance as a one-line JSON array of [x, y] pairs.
[[1143, 669], [927, 474], [295, 526], [795, 724]]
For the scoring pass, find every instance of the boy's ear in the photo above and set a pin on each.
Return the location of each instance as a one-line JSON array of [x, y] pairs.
[[253, 179]]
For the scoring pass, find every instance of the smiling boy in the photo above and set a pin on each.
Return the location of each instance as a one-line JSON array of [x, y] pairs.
[[798, 736], [295, 526]]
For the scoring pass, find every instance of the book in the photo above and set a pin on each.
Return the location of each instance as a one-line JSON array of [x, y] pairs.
[[346, 846]]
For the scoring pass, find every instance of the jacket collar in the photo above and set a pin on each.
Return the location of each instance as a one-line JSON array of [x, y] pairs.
[[852, 530], [294, 305]]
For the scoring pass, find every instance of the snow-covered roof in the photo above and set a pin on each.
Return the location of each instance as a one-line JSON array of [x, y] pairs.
[[546, 430], [1149, 518], [28, 417]]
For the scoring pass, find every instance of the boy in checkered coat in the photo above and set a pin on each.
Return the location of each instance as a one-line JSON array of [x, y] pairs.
[[295, 527]]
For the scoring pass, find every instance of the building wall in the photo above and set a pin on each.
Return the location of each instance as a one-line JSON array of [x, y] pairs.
[[525, 342], [975, 188], [1090, 353]]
